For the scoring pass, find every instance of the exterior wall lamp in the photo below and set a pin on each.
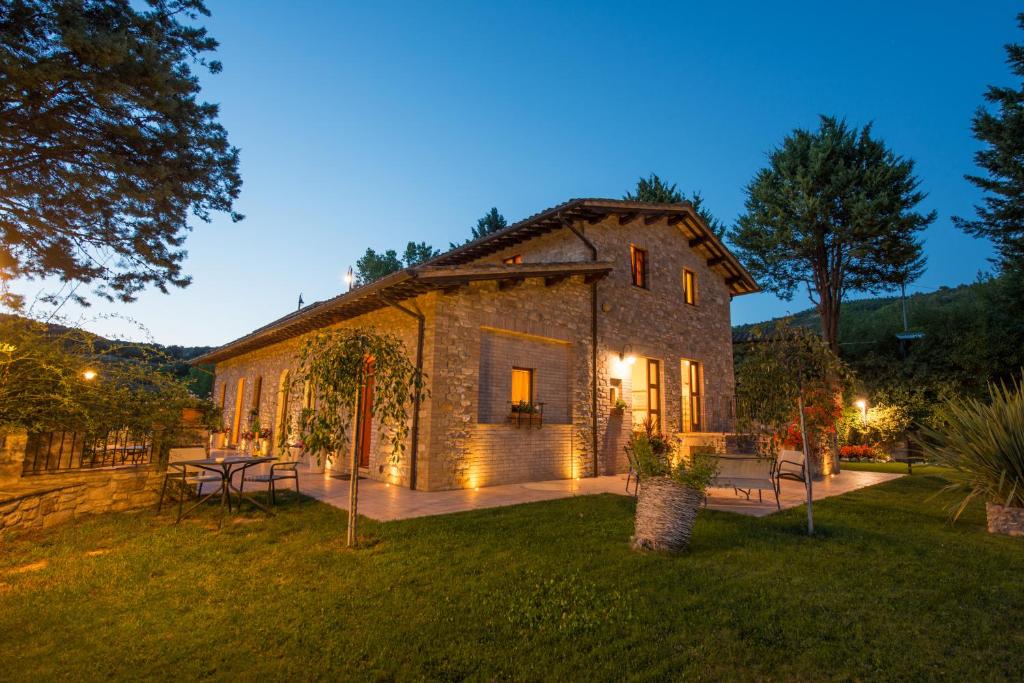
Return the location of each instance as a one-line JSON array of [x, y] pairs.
[[627, 356]]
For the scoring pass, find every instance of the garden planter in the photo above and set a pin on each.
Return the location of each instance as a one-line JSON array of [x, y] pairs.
[[665, 513], [1004, 520]]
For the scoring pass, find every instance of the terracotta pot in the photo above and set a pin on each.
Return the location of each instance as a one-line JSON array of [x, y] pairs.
[[1004, 520], [665, 513]]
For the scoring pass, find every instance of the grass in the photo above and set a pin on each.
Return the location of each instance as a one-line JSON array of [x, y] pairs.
[[888, 589], [897, 467]]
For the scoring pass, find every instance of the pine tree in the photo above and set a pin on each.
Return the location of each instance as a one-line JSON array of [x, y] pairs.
[[372, 266], [106, 151], [832, 212], [492, 221], [417, 253], [653, 190], [1001, 131]]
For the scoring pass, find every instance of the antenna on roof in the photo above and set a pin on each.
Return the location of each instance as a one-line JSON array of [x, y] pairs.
[[300, 300]]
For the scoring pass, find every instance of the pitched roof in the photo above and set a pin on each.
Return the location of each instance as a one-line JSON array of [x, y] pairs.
[[702, 239], [396, 287], [452, 267]]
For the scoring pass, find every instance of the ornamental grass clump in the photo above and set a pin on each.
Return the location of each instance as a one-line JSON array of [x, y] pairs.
[[985, 441]]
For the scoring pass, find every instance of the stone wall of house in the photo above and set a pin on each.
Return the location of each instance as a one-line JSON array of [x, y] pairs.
[[534, 326], [648, 323], [276, 366], [482, 331], [44, 500]]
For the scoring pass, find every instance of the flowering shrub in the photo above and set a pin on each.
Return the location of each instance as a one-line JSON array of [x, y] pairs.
[[859, 452]]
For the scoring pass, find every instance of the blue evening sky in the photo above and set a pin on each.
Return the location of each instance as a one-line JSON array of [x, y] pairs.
[[373, 123]]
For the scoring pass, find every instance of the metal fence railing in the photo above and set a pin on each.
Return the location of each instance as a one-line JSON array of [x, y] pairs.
[[59, 451]]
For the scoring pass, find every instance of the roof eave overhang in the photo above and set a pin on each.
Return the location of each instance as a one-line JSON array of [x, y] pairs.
[[396, 287]]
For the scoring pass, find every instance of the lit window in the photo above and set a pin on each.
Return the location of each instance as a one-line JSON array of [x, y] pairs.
[[692, 396], [513, 260], [690, 287], [638, 266], [522, 386]]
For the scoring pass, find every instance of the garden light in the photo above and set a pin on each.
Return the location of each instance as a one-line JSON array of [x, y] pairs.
[[862, 406], [89, 375]]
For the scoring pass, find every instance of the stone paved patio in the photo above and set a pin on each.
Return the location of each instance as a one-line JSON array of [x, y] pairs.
[[385, 502]]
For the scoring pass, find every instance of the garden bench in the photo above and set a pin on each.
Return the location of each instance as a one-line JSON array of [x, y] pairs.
[[746, 473]]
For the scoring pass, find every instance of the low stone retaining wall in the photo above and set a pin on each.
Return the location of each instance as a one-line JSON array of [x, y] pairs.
[[44, 500]]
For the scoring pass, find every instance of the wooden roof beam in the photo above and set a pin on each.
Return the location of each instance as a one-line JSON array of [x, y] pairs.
[[511, 282], [716, 261], [552, 280], [652, 218], [697, 241], [627, 218]]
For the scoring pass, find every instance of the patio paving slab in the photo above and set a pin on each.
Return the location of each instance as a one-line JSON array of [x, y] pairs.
[[384, 502]]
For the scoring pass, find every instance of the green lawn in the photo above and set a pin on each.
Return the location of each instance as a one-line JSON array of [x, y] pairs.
[[897, 467], [543, 591]]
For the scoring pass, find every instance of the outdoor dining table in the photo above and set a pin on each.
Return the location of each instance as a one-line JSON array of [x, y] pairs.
[[225, 468]]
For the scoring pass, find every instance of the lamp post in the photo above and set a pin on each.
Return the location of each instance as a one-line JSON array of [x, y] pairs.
[[862, 406], [89, 375]]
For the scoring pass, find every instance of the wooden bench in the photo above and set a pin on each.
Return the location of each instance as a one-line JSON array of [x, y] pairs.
[[746, 473]]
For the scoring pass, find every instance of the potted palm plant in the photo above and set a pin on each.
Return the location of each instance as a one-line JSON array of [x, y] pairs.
[[983, 441], [670, 491]]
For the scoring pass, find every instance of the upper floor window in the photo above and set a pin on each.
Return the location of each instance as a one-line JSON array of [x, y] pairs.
[[690, 287], [638, 266], [513, 260]]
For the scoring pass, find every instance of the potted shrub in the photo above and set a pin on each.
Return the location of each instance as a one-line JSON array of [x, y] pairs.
[[983, 442], [669, 493]]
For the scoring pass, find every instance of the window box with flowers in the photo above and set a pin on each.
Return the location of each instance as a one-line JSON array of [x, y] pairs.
[[526, 414]]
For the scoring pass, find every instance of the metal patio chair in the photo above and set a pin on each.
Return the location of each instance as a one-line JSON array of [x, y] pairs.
[[278, 471], [186, 477]]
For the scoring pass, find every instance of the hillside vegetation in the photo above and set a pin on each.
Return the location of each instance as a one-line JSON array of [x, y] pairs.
[[973, 334]]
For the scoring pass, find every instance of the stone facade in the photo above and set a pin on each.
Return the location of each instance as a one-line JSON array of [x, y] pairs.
[[476, 334], [44, 500], [1004, 520]]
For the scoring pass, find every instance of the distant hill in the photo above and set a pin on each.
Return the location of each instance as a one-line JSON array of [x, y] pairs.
[[880, 314], [177, 357], [973, 333]]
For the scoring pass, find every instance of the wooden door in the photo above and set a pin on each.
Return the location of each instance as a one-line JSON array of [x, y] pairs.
[[365, 426]]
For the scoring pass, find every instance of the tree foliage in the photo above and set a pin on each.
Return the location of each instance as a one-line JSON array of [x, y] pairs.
[[372, 266], [492, 221], [105, 149], [653, 190], [781, 366], [42, 385], [1001, 132], [832, 212], [417, 253], [336, 365]]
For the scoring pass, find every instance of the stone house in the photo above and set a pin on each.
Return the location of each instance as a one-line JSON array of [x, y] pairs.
[[544, 345]]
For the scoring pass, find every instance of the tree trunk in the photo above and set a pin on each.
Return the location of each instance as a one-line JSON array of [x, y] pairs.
[[828, 311], [808, 473]]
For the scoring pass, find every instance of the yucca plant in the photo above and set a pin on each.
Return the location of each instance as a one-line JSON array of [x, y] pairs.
[[984, 441]]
